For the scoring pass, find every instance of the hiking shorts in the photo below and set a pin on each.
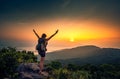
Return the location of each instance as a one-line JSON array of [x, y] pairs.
[[42, 53]]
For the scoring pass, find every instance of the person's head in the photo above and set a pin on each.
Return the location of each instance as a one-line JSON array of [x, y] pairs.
[[44, 35]]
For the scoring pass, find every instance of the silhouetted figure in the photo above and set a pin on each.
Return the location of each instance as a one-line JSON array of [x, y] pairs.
[[41, 47]]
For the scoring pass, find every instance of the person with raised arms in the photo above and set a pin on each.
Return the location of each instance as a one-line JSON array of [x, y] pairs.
[[41, 47]]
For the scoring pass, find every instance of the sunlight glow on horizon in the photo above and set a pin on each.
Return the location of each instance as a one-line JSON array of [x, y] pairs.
[[71, 32]]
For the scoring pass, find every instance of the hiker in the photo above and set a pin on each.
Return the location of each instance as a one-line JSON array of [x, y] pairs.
[[41, 47]]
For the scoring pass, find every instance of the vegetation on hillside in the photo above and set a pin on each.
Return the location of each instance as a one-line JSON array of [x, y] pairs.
[[10, 58], [87, 71]]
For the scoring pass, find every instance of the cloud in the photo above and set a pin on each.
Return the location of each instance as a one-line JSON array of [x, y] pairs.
[[22, 11], [66, 3]]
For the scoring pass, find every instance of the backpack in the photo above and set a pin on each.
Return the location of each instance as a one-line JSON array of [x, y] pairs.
[[40, 46]]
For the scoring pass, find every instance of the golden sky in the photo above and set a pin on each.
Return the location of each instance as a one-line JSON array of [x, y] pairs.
[[71, 33], [79, 22], [70, 30]]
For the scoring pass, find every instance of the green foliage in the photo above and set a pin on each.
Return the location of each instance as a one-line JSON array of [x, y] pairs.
[[87, 71], [55, 64], [72, 67], [64, 73], [10, 58]]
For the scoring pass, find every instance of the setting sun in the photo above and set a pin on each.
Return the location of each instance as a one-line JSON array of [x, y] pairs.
[[72, 39], [77, 24]]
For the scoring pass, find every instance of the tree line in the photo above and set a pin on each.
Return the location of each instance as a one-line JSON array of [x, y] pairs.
[[86, 71], [10, 59]]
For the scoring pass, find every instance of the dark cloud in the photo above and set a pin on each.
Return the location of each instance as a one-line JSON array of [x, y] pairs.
[[23, 10], [30, 10]]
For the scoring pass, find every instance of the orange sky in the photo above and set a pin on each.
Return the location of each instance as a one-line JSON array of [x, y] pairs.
[[80, 22], [74, 30], [71, 33]]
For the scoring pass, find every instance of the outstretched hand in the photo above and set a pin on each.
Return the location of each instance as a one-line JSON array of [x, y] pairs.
[[33, 30], [53, 34], [36, 33], [57, 31]]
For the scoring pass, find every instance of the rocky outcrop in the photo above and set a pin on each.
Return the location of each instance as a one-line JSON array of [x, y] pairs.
[[30, 71]]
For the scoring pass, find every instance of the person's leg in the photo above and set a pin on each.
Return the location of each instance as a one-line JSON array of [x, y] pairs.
[[42, 66], [42, 63]]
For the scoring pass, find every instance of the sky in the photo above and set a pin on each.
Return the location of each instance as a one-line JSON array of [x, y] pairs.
[[80, 22]]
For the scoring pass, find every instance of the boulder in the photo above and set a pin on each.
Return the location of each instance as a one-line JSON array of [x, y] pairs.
[[30, 71]]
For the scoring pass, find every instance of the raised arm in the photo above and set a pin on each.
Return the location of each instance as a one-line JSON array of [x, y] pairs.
[[53, 35], [36, 33]]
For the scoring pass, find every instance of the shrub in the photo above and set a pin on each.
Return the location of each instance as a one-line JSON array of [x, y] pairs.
[[10, 58]]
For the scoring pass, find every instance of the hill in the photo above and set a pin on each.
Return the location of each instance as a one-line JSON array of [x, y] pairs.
[[77, 52], [86, 54]]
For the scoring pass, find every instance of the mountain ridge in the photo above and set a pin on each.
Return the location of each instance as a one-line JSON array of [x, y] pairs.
[[86, 54]]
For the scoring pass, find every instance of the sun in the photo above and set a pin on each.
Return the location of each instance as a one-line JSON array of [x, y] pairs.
[[72, 40]]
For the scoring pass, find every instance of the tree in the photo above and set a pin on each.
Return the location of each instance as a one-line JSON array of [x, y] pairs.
[[10, 58]]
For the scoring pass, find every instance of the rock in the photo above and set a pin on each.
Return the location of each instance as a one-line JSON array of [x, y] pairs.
[[28, 67], [30, 71]]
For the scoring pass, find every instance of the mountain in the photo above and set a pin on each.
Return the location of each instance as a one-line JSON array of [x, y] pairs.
[[81, 51], [86, 54]]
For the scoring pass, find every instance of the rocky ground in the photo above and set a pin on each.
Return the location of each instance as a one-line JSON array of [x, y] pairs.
[[30, 71]]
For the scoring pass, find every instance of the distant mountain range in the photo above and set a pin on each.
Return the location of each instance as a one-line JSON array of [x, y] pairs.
[[86, 55]]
